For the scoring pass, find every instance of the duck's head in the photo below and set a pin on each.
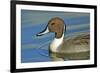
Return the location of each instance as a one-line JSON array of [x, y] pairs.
[[55, 25]]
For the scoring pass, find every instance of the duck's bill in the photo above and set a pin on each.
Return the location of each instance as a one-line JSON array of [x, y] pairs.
[[43, 32]]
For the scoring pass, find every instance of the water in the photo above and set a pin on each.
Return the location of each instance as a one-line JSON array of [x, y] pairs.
[[35, 49]]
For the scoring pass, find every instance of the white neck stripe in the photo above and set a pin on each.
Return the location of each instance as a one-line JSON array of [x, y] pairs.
[[56, 43]]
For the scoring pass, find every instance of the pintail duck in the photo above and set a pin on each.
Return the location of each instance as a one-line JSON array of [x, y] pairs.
[[60, 49]]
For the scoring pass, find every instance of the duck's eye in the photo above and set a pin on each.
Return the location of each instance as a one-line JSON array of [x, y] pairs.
[[52, 23]]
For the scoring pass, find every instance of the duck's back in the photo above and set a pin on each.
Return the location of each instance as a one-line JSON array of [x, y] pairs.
[[75, 48]]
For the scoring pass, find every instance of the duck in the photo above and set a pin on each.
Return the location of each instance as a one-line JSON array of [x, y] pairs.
[[63, 49]]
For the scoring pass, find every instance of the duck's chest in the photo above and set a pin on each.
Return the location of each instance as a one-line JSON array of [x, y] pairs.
[[55, 44]]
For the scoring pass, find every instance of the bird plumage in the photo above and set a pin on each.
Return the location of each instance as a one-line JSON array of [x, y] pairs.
[[60, 49]]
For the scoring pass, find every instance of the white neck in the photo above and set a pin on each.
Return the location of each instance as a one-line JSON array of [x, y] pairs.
[[56, 43]]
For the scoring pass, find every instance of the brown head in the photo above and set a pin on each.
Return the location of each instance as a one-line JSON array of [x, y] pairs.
[[55, 25]]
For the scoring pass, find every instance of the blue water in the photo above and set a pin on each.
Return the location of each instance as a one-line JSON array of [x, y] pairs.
[[35, 49]]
